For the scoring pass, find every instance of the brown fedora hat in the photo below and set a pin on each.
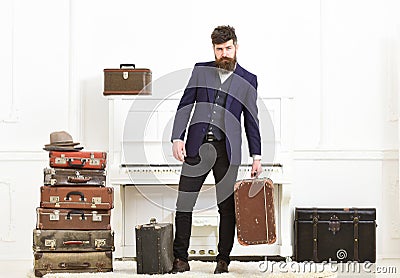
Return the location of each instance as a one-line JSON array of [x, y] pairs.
[[62, 148], [61, 138]]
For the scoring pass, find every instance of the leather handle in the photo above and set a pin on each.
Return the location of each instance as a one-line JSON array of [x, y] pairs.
[[74, 242], [79, 179], [76, 212], [65, 265], [68, 197], [127, 66], [76, 165]]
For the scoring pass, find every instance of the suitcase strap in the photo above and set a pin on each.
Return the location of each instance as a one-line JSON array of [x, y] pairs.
[[266, 211], [355, 222], [315, 235]]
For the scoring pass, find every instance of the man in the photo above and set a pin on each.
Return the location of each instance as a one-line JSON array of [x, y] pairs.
[[220, 92]]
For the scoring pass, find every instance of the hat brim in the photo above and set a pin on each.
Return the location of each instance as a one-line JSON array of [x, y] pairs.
[[65, 144], [61, 148]]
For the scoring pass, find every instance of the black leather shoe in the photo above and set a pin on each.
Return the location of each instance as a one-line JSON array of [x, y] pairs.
[[180, 266], [222, 267]]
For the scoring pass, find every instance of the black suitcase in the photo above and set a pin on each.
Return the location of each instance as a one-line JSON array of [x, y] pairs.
[[335, 234], [154, 248]]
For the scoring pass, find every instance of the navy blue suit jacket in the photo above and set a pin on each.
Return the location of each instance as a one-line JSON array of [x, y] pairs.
[[241, 98]]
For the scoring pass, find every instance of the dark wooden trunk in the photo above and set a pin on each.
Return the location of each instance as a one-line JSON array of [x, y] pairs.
[[335, 234]]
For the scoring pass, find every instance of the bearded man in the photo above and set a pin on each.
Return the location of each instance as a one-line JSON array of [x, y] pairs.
[[219, 92]]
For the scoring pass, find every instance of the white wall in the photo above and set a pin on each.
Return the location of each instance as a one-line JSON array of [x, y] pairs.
[[338, 59]]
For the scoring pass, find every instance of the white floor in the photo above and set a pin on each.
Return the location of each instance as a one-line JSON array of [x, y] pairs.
[[383, 268]]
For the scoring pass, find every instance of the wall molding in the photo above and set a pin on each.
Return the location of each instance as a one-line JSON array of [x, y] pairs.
[[7, 207], [336, 154], [21, 155]]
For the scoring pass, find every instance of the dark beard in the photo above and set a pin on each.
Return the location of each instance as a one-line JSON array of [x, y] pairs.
[[226, 63]]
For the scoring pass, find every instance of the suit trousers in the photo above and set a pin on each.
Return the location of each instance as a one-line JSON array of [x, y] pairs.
[[213, 156]]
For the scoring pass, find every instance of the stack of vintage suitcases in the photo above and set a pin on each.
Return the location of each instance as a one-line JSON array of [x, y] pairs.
[[73, 231]]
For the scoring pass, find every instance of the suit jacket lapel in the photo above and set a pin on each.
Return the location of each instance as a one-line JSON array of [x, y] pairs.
[[211, 75], [235, 84]]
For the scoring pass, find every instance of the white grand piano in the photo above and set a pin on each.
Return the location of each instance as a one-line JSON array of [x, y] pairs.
[[145, 175]]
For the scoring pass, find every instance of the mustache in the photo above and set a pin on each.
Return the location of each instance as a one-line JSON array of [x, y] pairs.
[[225, 59]]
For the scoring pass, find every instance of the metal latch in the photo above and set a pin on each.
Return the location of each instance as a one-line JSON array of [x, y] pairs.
[[50, 243], [125, 75], [60, 160], [334, 224], [55, 216], [93, 161], [55, 200], [98, 243], [96, 217], [95, 200]]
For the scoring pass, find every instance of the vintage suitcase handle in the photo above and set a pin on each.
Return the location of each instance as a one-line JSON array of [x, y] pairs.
[[83, 162], [68, 197], [75, 242], [127, 66], [79, 179], [153, 220], [74, 265], [75, 212]]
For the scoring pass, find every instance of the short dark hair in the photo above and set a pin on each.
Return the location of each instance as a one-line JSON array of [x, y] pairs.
[[222, 34]]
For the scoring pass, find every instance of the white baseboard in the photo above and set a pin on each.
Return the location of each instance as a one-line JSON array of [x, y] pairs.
[[336, 154]]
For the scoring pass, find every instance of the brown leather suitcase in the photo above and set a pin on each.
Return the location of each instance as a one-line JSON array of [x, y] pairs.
[[72, 262], [127, 80], [71, 219], [73, 177], [72, 241], [154, 253], [78, 160], [335, 234], [255, 211], [94, 198]]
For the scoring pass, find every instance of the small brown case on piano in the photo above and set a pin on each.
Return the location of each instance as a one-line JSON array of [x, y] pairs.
[[127, 80]]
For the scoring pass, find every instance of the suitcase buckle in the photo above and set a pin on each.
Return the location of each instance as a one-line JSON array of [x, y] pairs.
[[55, 216], [125, 75], [99, 243], [334, 224], [50, 243], [55, 200], [96, 217]]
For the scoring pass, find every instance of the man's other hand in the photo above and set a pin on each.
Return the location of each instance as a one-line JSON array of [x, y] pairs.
[[178, 150], [256, 168]]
